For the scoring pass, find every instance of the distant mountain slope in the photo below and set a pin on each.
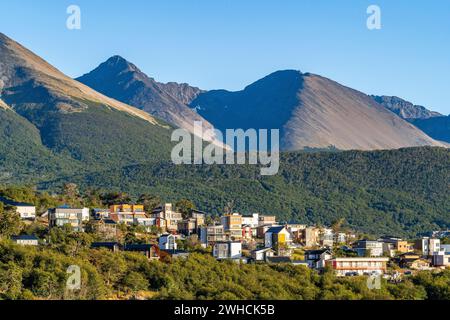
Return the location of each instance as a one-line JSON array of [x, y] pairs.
[[405, 109], [437, 127], [123, 81], [432, 123], [311, 112], [72, 120]]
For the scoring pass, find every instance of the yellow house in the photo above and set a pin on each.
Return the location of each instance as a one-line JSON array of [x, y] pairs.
[[277, 236], [132, 208]]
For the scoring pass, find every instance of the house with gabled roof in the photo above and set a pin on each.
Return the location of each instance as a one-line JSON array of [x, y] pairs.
[[277, 236]]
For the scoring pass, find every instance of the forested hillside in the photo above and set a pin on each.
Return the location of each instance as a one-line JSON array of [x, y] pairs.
[[31, 273], [402, 192]]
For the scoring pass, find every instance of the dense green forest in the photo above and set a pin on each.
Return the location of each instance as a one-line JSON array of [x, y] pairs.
[[40, 273], [402, 192]]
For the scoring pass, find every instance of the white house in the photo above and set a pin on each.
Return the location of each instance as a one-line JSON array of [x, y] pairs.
[[65, 215], [167, 242], [25, 210], [227, 250], [369, 248], [251, 220], [316, 259], [262, 254], [441, 259], [26, 240]]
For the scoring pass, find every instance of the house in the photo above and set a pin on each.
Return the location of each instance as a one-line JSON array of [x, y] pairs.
[[65, 215], [100, 214], [112, 246], [232, 225], [149, 250], [147, 223], [326, 238], [187, 227], [316, 259], [127, 213], [223, 250], [428, 246], [247, 232], [358, 266], [168, 242], [418, 264], [340, 237], [405, 260], [267, 220], [296, 231], [170, 217], [369, 248], [212, 234], [251, 220], [310, 237], [441, 259], [200, 218], [262, 254], [445, 248], [261, 231], [277, 237], [25, 210], [394, 245], [26, 240]]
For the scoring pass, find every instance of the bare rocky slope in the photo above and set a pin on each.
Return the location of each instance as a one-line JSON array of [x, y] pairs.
[[432, 123], [122, 80], [311, 112]]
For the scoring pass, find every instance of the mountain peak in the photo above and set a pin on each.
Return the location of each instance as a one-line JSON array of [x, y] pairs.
[[118, 64], [405, 109]]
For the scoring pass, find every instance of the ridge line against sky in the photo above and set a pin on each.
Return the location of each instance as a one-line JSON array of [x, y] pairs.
[[230, 44]]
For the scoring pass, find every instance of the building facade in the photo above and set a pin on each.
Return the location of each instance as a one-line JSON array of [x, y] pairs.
[[75, 217], [232, 225], [227, 250], [358, 266]]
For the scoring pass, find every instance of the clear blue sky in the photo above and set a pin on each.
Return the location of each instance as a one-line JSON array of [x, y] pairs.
[[231, 43]]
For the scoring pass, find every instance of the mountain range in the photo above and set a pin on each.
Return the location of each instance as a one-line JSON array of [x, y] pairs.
[[122, 80], [432, 123], [309, 110], [116, 115], [51, 122], [54, 130]]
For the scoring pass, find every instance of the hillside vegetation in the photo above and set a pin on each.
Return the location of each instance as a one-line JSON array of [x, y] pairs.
[[402, 192], [32, 273]]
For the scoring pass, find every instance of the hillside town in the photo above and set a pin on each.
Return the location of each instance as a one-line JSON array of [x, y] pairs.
[[164, 233]]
